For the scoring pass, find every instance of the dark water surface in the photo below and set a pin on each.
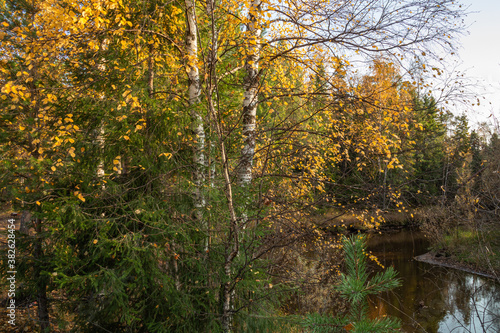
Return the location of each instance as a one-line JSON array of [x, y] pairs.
[[433, 299]]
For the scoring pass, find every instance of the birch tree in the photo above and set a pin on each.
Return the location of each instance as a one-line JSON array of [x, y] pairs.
[[182, 85], [194, 105], [253, 44]]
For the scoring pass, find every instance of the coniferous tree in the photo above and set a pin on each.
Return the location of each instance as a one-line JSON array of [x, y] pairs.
[[355, 286]]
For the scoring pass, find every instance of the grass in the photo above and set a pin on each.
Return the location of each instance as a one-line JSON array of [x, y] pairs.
[[479, 248]]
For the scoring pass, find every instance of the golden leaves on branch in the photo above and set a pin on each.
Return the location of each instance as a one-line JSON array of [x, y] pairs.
[[79, 195]]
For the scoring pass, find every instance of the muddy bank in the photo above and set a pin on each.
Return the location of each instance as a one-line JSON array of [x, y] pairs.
[[449, 262]]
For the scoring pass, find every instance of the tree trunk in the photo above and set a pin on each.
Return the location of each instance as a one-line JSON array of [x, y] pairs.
[[194, 101], [250, 100], [150, 80], [232, 244], [249, 112], [38, 256], [24, 223], [41, 283], [100, 166]]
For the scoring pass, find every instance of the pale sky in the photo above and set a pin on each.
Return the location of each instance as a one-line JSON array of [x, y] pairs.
[[480, 56]]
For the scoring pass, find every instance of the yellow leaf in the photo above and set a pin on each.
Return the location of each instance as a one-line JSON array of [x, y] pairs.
[[38, 203], [126, 137], [95, 241], [167, 155], [53, 168]]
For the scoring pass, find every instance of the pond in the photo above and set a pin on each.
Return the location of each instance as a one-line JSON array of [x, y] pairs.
[[433, 299]]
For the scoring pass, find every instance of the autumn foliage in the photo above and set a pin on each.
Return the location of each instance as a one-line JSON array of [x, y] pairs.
[[168, 151]]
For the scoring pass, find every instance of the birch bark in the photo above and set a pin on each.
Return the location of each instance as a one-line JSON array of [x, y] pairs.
[[194, 101], [251, 85]]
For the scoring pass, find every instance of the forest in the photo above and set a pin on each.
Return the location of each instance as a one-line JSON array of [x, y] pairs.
[[171, 163]]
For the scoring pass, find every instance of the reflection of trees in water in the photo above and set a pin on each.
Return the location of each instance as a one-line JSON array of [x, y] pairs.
[[420, 302], [473, 304], [459, 299], [494, 306], [434, 297], [486, 303]]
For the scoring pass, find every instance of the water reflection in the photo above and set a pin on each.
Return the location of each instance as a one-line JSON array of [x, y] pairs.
[[433, 299]]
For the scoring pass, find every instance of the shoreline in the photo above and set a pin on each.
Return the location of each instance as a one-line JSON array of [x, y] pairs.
[[449, 262]]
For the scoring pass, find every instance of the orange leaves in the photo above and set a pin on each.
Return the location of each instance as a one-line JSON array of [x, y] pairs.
[[71, 152], [79, 195], [117, 164], [13, 89], [50, 98], [167, 155], [140, 124]]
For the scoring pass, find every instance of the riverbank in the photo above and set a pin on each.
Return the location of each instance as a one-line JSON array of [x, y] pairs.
[[473, 249], [431, 298], [470, 247], [449, 262], [366, 221]]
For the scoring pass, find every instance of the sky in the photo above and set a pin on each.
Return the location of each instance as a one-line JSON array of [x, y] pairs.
[[480, 57]]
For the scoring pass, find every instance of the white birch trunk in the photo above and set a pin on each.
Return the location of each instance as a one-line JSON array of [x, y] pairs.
[[212, 62], [194, 100], [100, 136], [250, 100], [249, 113], [100, 167]]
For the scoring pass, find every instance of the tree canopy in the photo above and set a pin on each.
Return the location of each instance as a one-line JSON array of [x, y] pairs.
[[169, 152]]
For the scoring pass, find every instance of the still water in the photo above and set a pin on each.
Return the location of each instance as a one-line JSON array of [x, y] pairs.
[[433, 299]]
